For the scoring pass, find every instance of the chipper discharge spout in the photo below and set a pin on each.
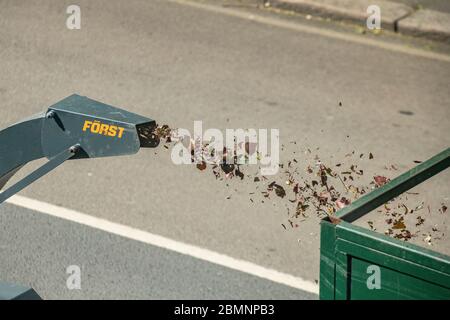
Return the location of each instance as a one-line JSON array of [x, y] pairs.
[[74, 128]]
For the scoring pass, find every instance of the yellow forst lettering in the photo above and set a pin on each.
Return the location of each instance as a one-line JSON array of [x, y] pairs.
[[121, 132], [87, 125], [112, 131], [104, 129]]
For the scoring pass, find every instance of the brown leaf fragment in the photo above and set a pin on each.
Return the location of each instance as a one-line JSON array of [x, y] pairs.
[[163, 131], [227, 168], [323, 197], [334, 220], [279, 191], [301, 208], [239, 173], [323, 177], [404, 235], [399, 224], [201, 166], [343, 202], [380, 180], [420, 221], [406, 209]]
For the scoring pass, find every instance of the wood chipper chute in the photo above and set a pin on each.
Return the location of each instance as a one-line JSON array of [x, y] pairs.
[[74, 128]]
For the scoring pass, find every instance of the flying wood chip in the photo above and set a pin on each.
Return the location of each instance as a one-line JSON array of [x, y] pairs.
[[201, 166], [380, 180], [342, 203], [399, 224], [227, 168], [239, 173], [315, 189], [279, 190], [334, 220]]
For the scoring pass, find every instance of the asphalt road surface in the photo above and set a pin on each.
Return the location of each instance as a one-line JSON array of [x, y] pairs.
[[40, 249], [177, 62]]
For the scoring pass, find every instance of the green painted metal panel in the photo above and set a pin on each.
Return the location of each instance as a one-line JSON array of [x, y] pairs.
[[382, 243], [385, 258], [399, 278], [327, 260], [342, 275], [394, 284]]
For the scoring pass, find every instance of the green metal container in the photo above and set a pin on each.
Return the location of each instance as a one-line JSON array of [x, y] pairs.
[[357, 263]]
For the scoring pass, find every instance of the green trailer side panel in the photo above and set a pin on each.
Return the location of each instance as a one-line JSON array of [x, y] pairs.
[[343, 274], [397, 248], [386, 259], [398, 278], [406, 270], [327, 260], [393, 284]]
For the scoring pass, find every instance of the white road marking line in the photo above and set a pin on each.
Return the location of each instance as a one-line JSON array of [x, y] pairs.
[[166, 243], [315, 30]]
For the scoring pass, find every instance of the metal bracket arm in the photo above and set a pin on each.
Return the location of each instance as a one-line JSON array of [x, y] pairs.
[[40, 172]]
